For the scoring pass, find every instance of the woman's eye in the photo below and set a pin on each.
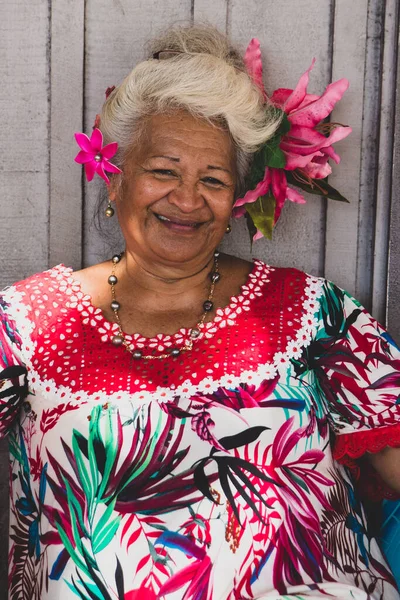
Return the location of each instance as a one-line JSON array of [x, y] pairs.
[[213, 181], [165, 172]]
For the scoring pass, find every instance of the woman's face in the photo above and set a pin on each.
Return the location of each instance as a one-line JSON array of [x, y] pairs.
[[177, 192]]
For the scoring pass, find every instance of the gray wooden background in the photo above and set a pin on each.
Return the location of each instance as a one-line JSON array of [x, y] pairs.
[[58, 56]]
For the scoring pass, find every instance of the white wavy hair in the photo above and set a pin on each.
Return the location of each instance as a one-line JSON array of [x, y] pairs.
[[202, 74]]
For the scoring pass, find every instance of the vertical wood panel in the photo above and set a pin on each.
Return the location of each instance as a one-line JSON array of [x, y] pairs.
[[24, 106], [67, 47], [211, 11], [114, 44], [379, 290], [291, 34], [369, 152], [24, 115], [349, 48], [393, 315]]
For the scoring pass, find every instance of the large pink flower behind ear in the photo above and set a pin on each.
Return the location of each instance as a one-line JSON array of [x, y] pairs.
[[253, 63], [304, 142], [94, 156]]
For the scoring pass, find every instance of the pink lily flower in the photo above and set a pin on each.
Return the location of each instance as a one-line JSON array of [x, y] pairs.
[[94, 156], [305, 147], [253, 64]]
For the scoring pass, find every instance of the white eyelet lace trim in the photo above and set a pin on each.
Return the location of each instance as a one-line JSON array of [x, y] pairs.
[[19, 312], [223, 316]]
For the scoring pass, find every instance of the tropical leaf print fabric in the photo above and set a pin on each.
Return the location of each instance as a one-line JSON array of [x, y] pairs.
[[223, 474]]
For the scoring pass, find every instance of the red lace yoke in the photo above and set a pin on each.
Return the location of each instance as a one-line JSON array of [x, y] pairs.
[[270, 320]]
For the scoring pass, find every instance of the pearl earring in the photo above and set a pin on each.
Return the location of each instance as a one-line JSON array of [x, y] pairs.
[[109, 212]]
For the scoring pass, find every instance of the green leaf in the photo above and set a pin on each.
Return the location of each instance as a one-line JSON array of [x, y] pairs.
[[270, 154], [76, 592], [86, 482], [13, 446], [75, 511], [111, 449], [251, 228], [70, 549], [105, 535], [94, 471], [285, 125], [274, 156], [102, 524], [262, 214], [319, 187]]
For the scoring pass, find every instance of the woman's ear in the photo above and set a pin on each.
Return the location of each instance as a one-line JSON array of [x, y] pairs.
[[114, 187]]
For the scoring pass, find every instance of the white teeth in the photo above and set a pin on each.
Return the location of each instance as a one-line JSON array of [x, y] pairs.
[[162, 218]]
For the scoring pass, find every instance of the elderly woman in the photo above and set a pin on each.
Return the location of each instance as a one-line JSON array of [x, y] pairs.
[[184, 424]]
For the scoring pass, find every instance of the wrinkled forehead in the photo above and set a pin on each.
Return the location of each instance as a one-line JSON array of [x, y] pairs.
[[181, 133]]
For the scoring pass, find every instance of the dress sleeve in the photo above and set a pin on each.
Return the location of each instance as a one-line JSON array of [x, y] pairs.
[[358, 374], [13, 379]]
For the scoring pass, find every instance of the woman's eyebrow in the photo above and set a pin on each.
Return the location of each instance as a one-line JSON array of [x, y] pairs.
[[212, 167], [173, 158], [176, 159]]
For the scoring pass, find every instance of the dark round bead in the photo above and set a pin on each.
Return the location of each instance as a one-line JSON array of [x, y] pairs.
[[116, 258], [194, 333], [115, 305], [216, 254], [208, 305], [117, 340], [175, 352], [137, 354], [112, 280], [215, 276], [109, 212]]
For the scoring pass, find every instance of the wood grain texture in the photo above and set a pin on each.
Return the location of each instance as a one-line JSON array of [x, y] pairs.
[[369, 153], [348, 60], [24, 110], [393, 308], [383, 192], [291, 34], [66, 87], [116, 32], [211, 11]]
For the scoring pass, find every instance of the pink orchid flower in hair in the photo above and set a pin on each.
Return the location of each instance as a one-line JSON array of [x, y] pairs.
[[94, 156], [301, 148]]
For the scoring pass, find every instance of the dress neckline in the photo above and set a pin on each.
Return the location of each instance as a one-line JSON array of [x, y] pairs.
[[239, 303]]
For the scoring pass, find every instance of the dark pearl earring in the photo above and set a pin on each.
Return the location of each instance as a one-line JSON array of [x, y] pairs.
[[228, 228], [109, 212]]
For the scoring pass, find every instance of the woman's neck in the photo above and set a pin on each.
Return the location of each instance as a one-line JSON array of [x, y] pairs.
[[159, 284]]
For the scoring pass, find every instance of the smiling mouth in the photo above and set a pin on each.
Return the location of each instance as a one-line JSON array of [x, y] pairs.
[[179, 223]]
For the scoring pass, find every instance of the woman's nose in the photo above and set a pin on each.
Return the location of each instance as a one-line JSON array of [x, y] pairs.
[[186, 197]]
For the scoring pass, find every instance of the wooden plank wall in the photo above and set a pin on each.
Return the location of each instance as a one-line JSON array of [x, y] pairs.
[[58, 56]]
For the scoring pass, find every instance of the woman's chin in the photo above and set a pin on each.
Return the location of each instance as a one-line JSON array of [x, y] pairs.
[[181, 251]]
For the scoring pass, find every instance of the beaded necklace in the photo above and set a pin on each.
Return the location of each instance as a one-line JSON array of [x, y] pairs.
[[120, 340]]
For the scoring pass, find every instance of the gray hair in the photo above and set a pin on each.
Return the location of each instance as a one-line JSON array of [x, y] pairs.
[[202, 74]]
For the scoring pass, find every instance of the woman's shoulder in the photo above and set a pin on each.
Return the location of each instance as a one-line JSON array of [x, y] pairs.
[[38, 280]]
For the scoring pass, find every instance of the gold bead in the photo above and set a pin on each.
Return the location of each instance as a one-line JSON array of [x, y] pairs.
[[109, 212]]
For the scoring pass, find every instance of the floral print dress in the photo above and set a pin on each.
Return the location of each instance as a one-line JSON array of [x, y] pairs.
[[225, 473]]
